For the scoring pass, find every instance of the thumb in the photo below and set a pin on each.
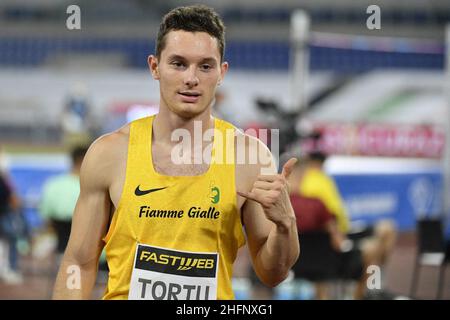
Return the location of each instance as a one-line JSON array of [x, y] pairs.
[[288, 166]]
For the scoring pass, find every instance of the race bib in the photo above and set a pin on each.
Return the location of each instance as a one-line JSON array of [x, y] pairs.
[[166, 274]]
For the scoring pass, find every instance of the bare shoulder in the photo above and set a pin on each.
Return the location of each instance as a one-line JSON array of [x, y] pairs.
[[106, 155], [253, 157]]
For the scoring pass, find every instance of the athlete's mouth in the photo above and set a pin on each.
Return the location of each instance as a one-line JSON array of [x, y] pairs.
[[189, 96], [190, 93]]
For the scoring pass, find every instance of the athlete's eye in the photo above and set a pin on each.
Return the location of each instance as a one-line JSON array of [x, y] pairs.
[[177, 64], [205, 67]]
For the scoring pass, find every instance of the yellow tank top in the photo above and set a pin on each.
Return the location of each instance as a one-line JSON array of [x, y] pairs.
[[174, 237]]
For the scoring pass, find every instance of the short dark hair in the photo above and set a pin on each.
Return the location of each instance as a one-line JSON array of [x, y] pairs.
[[77, 154], [196, 18]]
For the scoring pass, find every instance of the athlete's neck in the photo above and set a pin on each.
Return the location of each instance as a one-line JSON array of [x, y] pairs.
[[166, 122]]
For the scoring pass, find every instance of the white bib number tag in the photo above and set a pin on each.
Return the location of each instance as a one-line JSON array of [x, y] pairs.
[[167, 274]]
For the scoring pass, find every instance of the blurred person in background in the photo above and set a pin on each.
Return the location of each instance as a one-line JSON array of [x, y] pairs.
[[313, 216], [310, 183], [59, 196], [76, 116], [11, 227]]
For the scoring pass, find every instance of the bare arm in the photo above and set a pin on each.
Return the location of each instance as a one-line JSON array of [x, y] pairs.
[[78, 270], [270, 225]]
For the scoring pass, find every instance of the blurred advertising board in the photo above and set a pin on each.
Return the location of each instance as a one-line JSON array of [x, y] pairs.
[[402, 197], [419, 141], [401, 189]]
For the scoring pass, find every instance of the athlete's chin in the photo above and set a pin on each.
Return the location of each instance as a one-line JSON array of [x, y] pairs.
[[189, 111]]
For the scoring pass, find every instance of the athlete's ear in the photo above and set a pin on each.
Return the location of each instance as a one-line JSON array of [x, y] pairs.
[[153, 66], [223, 71]]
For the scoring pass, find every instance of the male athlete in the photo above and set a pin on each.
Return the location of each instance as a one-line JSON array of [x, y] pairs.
[[171, 229]]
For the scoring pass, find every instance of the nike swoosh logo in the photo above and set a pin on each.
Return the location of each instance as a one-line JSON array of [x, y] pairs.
[[140, 192]]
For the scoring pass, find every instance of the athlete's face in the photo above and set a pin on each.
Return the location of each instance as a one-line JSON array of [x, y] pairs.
[[189, 71]]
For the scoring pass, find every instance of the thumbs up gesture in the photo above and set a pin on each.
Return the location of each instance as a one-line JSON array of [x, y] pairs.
[[272, 192]]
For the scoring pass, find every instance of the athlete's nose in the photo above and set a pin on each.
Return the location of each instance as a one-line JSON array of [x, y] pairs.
[[191, 79]]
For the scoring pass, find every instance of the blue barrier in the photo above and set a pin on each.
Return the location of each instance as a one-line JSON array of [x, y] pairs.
[[401, 197]]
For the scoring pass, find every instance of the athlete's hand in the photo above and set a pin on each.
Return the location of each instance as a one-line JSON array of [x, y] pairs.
[[272, 192]]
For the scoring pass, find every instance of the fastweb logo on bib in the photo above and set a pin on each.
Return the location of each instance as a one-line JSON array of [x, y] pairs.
[[166, 274]]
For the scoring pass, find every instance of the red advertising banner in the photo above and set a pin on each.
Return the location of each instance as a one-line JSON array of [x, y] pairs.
[[423, 141]]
